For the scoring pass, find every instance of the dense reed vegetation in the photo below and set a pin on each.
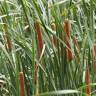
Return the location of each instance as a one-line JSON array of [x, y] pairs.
[[47, 47]]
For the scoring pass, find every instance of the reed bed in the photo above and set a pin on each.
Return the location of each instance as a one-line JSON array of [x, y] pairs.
[[47, 47]]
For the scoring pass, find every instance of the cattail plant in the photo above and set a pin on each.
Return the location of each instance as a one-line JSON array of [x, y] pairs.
[[88, 81], [67, 38], [38, 30], [47, 69], [7, 38], [94, 55], [67, 27], [21, 78]]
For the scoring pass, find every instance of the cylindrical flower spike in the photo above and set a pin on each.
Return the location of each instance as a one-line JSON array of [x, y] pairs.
[[9, 43], [21, 78], [94, 65], [67, 27], [7, 38], [39, 36], [88, 81], [94, 55]]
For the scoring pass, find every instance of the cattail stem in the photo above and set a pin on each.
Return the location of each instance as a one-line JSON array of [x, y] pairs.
[[94, 51], [36, 79], [21, 78], [76, 43], [54, 42], [36, 73]]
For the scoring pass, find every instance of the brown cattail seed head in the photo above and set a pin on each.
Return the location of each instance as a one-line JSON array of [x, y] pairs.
[[21, 78]]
